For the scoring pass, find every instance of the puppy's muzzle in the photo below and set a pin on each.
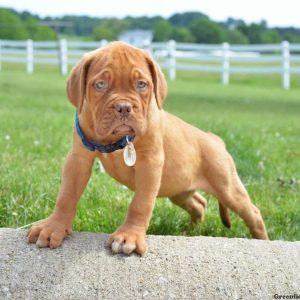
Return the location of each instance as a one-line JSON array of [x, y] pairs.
[[123, 109]]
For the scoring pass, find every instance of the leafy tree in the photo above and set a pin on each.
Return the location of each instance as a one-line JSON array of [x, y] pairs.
[[82, 25], [25, 15], [290, 37], [163, 31], [183, 27], [104, 32], [295, 39], [258, 33], [232, 23], [290, 34], [39, 32], [270, 37], [142, 22], [11, 26], [236, 37], [185, 19], [207, 31], [255, 33], [182, 34]]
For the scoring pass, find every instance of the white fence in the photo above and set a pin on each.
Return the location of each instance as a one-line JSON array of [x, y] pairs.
[[282, 59]]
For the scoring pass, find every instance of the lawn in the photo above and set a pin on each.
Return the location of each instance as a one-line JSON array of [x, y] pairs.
[[259, 122]]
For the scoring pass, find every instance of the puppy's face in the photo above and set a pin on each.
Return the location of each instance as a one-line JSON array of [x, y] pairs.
[[117, 83]]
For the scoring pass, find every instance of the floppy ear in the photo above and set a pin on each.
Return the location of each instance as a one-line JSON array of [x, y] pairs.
[[76, 84], [159, 81]]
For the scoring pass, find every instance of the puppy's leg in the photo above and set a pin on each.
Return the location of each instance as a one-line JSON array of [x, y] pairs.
[[193, 203], [231, 193], [130, 236], [224, 214], [51, 231]]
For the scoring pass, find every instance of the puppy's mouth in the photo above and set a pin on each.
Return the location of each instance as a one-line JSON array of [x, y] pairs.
[[123, 130]]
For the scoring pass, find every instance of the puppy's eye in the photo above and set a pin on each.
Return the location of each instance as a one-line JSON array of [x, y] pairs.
[[141, 85], [101, 85]]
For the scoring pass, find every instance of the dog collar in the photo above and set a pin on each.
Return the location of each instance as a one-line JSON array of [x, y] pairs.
[[120, 144]]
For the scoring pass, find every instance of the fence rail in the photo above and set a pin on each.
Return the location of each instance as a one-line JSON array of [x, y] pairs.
[[282, 59]]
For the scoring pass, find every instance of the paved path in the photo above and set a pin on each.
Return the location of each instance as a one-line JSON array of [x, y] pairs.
[[174, 268]]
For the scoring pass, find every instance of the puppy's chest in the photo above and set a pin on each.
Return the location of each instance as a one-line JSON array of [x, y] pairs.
[[115, 166]]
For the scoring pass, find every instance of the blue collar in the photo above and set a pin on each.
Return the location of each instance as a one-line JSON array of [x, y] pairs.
[[120, 144]]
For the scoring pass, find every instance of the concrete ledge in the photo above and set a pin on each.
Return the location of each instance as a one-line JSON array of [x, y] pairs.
[[174, 268]]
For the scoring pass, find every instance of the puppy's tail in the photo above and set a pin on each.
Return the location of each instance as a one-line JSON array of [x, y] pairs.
[[224, 214]]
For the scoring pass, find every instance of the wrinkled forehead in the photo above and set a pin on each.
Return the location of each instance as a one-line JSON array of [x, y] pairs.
[[121, 60]]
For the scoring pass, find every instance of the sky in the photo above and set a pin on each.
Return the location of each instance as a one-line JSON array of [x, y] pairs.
[[275, 12]]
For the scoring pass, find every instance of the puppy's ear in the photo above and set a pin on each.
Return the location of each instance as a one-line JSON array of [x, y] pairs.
[[76, 84], [159, 81]]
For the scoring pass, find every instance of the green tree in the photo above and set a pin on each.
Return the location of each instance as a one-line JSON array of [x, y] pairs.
[[39, 32], [142, 22], [163, 31], [258, 33], [207, 31], [11, 26], [104, 32], [236, 37], [185, 19], [110, 29], [182, 34], [255, 33], [270, 37], [292, 38]]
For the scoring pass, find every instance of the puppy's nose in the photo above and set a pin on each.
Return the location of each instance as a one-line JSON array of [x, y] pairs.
[[123, 108]]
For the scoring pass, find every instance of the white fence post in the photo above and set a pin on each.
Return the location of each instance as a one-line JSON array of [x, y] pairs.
[[103, 43], [29, 59], [225, 67], [286, 65], [63, 56], [172, 59]]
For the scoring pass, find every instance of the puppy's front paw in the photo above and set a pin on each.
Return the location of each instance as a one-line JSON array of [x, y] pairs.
[[127, 241], [49, 232]]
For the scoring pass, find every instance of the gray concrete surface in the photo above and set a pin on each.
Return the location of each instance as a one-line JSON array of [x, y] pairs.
[[174, 268]]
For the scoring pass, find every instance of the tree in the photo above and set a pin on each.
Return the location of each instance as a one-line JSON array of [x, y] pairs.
[[270, 37], [182, 34], [255, 33], [182, 27], [207, 31], [258, 33], [39, 32], [236, 37], [163, 31], [290, 34], [185, 19], [104, 32], [11, 26], [109, 29], [142, 22], [232, 23]]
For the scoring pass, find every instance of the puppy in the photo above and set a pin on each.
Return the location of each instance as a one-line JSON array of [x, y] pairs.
[[118, 92]]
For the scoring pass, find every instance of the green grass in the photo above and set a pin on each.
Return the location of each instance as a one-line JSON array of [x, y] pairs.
[[259, 122]]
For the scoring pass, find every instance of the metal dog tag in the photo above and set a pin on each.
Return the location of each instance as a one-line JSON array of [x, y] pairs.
[[129, 155]]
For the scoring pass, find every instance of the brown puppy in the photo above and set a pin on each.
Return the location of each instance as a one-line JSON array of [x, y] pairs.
[[119, 90]]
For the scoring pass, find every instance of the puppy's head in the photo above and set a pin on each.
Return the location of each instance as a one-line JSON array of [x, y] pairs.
[[117, 83]]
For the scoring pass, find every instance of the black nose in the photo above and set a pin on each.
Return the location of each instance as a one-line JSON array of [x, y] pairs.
[[123, 108]]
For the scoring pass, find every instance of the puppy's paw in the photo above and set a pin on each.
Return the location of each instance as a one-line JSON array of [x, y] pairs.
[[127, 241], [49, 232]]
